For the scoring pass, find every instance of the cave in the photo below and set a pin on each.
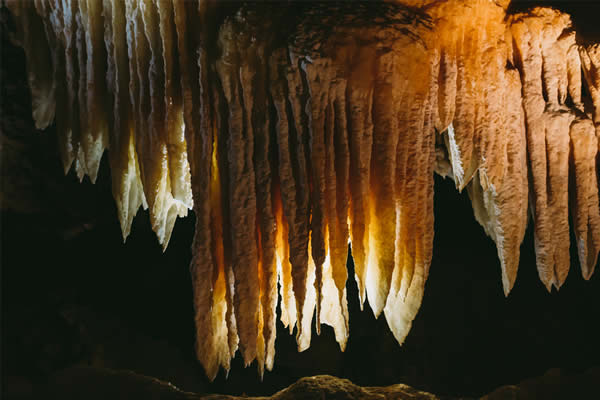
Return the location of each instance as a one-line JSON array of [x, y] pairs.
[[113, 111]]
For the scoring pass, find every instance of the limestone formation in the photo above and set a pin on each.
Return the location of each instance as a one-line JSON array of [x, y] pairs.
[[294, 129]]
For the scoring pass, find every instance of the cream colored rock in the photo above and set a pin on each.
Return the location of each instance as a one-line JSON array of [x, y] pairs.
[[547, 125], [584, 202]]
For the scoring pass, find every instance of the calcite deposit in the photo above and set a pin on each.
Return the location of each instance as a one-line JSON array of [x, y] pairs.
[[293, 129]]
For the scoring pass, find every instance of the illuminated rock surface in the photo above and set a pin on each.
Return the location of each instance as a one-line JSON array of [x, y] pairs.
[[290, 142]]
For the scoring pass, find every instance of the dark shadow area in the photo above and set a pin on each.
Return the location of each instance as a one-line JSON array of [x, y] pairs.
[[584, 14]]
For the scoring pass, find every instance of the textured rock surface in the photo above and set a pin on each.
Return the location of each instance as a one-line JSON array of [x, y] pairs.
[[101, 383], [334, 138], [75, 383]]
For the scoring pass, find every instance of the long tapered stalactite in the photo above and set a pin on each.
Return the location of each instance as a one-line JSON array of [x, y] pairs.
[[294, 130]]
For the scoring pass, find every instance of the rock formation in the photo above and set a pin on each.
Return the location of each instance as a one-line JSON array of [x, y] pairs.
[[293, 129]]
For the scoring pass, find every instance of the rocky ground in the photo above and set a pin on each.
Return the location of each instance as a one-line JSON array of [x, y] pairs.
[[104, 383]]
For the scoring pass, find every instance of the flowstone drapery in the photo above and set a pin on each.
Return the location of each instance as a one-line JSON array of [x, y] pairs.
[[293, 129]]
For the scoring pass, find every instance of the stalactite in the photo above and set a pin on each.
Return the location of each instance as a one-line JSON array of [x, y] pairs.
[[500, 201], [317, 76], [387, 91], [590, 62], [220, 217], [255, 74], [286, 208], [52, 16], [360, 132], [241, 200], [547, 124], [299, 217], [295, 131], [72, 82], [584, 201], [126, 187]]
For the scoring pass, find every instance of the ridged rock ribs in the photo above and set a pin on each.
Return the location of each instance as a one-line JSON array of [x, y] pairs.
[[294, 129]]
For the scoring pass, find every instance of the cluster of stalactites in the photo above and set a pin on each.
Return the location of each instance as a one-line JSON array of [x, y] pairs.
[[522, 132], [306, 158], [562, 141], [105, 71], [292, 153]]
